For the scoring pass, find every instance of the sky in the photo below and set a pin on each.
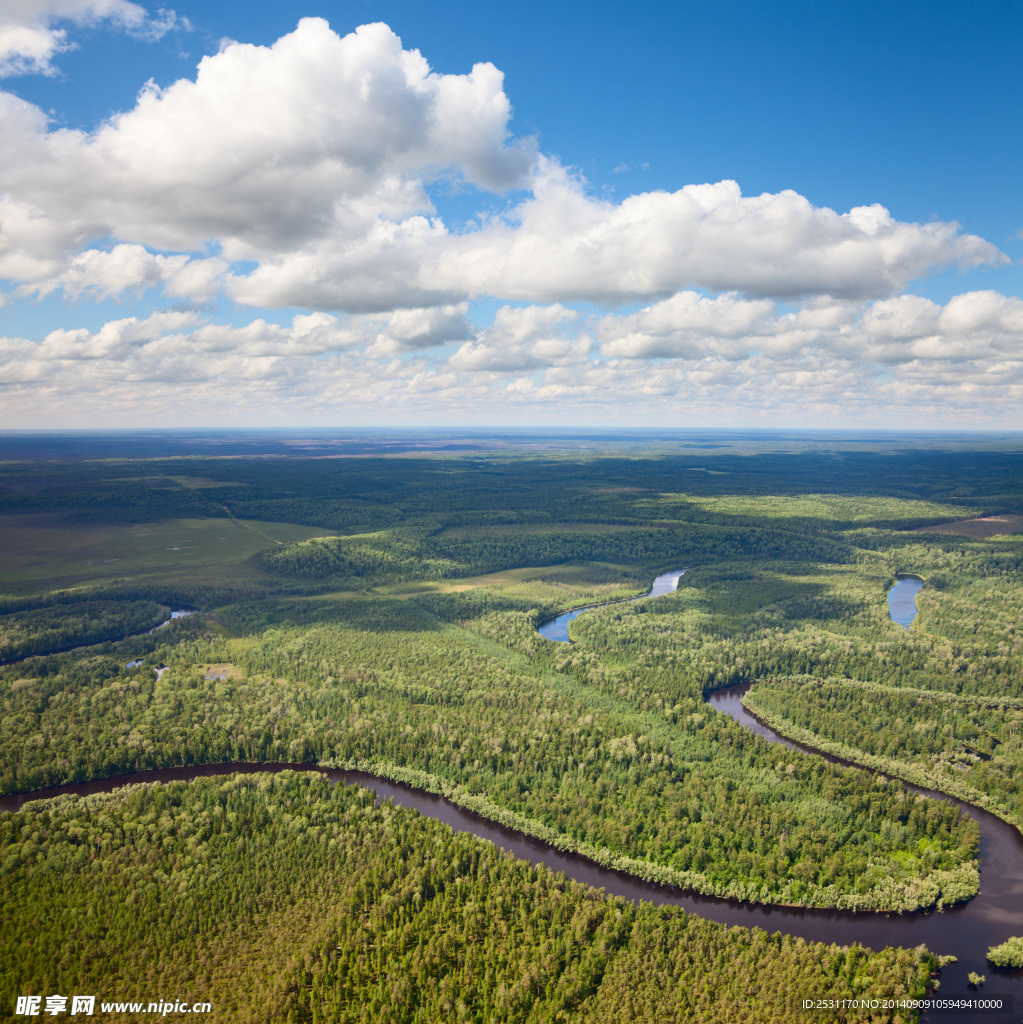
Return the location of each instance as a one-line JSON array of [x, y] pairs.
[[384, 213]]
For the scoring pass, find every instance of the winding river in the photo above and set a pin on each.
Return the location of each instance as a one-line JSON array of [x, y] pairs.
[[557, 629], [964, 931]]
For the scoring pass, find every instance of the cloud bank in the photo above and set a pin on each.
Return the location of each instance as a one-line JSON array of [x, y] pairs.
[[303, 175], [313, 159], [684, 358]]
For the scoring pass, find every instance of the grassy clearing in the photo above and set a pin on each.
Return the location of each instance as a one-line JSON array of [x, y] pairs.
[[528, 529], [576, 582], [39, 553], [831, 509]]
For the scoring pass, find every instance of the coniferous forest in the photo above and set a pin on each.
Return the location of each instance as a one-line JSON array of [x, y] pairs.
[[380, 613]]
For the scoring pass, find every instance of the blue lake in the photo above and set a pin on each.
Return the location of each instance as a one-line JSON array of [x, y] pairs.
[[902, 599]]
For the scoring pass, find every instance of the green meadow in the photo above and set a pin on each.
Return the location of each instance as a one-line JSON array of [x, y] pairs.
[[41, 553]]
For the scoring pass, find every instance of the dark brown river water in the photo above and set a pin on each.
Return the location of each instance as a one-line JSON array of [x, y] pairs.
[[964, 931]]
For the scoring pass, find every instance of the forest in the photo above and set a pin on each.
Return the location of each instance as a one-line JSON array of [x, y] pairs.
[[605, 757], [341, 909], [380, 613], [74, 624]]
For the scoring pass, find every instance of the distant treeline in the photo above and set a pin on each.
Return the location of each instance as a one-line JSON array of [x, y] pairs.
[[374, 493], [403, 556]]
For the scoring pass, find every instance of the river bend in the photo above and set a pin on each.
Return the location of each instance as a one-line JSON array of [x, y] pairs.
[[965, 931]]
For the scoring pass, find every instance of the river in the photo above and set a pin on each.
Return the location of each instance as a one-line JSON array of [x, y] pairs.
[[557, 629], [175, 613], [963, 931]]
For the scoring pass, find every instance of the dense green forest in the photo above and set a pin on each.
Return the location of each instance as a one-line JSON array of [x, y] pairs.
[[381, 613], [960, 746], [73, 624], [669, 793], [609, 751], [284, 898]]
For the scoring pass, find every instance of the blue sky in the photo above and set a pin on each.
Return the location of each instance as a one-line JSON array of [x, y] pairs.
[[566, 288]]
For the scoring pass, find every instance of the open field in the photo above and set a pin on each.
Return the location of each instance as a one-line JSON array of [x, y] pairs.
[[831, 509], [987, 526], [580, 579], [520, 529], [38, 553]]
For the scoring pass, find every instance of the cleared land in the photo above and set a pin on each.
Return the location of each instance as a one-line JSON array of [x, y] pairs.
[[986, 526], [41, 552]]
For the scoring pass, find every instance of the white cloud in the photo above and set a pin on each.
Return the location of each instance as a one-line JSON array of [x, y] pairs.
[[566, 245], [34, 246], [313, 158], [410, 330], [137, 349], [899, 361], [974, 325], [689, 325], [522, 339], [561, 244], [298, 176], [29, 41], [271, 147], [101, 274]]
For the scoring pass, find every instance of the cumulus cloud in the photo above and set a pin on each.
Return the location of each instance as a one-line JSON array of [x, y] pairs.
[[411, 330], [566, 245], [102, 274], [308, 164], [689, 325], [300, 175], [179, 344], [522, 339], [272, 147], [687, 360], [562, 244], [974, 325], [29, 39]]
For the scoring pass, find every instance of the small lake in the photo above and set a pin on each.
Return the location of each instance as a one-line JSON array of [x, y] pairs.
[[902, 599], [557, 629]]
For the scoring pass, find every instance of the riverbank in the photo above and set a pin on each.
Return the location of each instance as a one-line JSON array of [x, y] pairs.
[[963, 931], [172, 613], [556, 629], [940, 785]]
